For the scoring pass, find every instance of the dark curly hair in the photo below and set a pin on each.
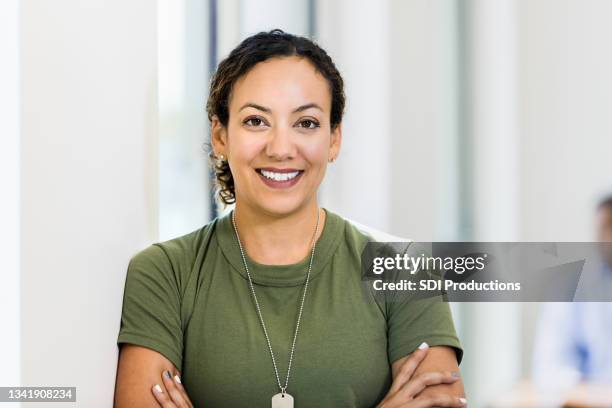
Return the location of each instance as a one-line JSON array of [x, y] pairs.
[[254, 49]]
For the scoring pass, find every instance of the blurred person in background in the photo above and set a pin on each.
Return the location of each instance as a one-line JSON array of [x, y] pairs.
[[573, 340]]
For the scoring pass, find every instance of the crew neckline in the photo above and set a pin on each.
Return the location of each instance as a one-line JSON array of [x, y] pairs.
[[280, 275]]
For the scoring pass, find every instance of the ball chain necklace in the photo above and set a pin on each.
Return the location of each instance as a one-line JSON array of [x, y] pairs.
[[282, 399]]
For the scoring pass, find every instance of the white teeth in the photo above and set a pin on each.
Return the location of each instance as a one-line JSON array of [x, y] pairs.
[[279, 176]]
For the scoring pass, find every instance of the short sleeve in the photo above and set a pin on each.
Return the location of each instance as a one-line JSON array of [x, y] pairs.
[[150, 314], [411, 322]]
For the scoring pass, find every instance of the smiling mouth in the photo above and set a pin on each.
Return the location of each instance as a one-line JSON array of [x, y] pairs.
[[280, 176]]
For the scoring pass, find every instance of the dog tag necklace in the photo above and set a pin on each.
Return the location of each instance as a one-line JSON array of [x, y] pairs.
[[282, 399]]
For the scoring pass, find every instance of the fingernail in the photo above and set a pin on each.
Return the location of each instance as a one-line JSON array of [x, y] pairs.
[[167, 374], [463, 400], [423, 346], [456, 374], [158, 388], [177, 378]]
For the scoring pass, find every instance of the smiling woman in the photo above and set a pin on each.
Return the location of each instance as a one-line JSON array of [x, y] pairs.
[[265, 306]]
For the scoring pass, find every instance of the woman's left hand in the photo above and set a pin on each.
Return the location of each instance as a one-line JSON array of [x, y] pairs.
[[171, 394]]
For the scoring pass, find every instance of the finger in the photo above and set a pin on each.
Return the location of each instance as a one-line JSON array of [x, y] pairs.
[[179, 384], [409, 367], [439, 401], [162, 397], [411, 390], [177, 395], [420, 382]]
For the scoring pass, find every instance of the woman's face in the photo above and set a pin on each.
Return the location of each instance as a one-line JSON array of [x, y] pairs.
[[278, 140]]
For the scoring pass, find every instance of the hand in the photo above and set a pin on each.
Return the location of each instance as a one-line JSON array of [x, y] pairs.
[[405, 389], [172, 394]]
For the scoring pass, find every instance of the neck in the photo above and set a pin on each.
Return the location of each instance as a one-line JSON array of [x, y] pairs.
[[272, 239]]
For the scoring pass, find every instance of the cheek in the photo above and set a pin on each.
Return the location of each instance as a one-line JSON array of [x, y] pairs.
[[244, 147], [315, 153]]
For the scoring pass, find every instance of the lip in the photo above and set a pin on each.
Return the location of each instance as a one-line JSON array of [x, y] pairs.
[[277, 170], [279, 184]]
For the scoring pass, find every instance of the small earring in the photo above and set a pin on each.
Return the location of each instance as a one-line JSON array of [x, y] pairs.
[[221, 157]]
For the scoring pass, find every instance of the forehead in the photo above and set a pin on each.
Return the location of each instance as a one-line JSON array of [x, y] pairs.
[[282, 84]]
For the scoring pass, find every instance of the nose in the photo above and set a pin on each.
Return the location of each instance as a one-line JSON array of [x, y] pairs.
[[280, 144]]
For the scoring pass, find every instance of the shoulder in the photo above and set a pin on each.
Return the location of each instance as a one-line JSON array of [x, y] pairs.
[[361, 233], [356, 235], [171, 259], [373, 234], [179, 248]]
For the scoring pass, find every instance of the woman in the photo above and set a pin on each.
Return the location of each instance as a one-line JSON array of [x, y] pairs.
[[264, 305]]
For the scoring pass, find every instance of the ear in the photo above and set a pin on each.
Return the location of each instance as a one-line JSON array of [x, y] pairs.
[[218, 137], [335, 142]]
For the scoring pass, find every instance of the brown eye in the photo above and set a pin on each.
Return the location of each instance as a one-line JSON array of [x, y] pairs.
[[309, 124], [255, 122]]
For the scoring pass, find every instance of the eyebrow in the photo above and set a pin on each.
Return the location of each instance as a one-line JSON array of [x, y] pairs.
[[268, 110]]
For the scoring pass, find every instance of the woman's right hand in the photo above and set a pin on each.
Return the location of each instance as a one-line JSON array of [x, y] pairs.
[[406, 387]]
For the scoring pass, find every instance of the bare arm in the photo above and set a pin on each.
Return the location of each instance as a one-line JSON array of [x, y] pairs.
[[421, 381], [138, 370], [440, 358]]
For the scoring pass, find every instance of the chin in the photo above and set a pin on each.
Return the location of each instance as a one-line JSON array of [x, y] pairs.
[[281, 201], [281, 205]]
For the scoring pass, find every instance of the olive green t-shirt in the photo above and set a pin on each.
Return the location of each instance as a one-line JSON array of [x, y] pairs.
[[189, 299]]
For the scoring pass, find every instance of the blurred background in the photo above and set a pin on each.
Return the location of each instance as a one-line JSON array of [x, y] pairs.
[[475, 120]]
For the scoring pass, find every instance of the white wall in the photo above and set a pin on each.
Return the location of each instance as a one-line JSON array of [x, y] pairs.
[[423, 122], [9, 204], [88, 182], [566, 95]]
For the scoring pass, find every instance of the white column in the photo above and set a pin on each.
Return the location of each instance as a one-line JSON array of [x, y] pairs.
[[491, 328], [89, 182], [9, 205], [494, 118], [356, 35]]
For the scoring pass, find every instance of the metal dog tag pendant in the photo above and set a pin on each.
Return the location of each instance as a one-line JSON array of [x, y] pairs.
[[282, 401]]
